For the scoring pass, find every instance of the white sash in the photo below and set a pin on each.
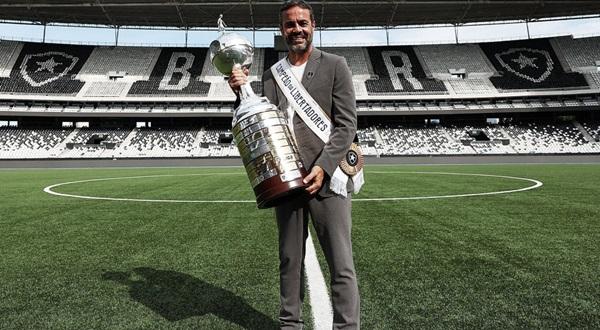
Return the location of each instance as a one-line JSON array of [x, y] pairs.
[[314, 117]]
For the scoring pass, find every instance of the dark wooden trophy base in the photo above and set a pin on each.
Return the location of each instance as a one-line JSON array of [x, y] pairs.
[[273, 191]]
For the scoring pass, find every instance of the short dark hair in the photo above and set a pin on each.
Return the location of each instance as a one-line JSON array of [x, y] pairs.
[[296, 3]]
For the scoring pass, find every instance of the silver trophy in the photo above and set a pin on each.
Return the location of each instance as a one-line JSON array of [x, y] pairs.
[[260, 130]]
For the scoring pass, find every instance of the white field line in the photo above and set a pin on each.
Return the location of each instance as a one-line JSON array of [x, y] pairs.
[[48, 189], [320, 303], [536, 184], [475, 164]]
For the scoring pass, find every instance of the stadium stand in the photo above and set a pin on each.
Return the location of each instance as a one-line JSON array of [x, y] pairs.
[[367, 138], [418, 141], [488, 139], [581, 55], [440, 60], [357, 59], [529, 65], [9, 51], [210, 145], [593, 129], [471, 86], [527, 138], [593, 79], [133, 62], [110, 71], [359, 64], [46, 69], [388, 71], [160, 143], [519, 138], [30, 143], [211, 136], [83, 135], [257, 67], [398, 71], [548, 138], [177, 71], [93, 143], [104, 89], [270, 57]]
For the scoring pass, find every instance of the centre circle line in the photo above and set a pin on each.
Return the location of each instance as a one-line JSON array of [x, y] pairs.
[[536, 184], [49, 189]]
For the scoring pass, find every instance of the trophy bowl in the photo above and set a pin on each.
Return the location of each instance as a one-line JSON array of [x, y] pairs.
[[264, 141], [230, 49]]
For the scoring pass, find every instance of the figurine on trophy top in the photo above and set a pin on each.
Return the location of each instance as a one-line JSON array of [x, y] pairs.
[[221, 24]]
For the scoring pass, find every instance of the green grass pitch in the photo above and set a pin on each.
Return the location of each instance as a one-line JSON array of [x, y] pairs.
[[527, 259]]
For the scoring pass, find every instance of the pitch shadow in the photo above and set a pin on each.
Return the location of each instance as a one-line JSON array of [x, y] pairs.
[[177, 296]]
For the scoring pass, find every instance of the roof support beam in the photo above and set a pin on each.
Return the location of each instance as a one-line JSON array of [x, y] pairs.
[[180, 14], [251, 8], [391, 19], [37, 16], [322, 18], [465, 13], [320, 25], [108, 17], [252, 22]]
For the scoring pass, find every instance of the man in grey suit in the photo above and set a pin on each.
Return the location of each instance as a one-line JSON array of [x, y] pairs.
[[328, 80]]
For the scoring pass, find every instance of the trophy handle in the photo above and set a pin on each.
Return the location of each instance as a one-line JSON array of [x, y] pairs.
[[246, 91]]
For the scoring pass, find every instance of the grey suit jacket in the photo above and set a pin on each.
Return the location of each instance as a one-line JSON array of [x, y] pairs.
[[328, 80]]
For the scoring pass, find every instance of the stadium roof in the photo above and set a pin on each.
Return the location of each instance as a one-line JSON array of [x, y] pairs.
[[256, 14]]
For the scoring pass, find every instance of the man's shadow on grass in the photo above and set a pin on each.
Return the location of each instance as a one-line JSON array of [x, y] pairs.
[[177, 296]]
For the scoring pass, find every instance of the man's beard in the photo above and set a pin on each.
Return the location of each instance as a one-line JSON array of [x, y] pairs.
[[299, 48]]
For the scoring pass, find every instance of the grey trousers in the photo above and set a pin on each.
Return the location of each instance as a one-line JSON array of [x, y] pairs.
[[332, 221]]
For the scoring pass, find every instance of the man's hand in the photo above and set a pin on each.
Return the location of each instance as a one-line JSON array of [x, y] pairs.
[[315, 178], [238, 77]]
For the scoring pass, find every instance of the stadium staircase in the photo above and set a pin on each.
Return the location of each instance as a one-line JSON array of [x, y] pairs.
[[62, 147], [506, 136], [586, 135], [197, 139], [122, 147], [560, 55], [129, 136], [378, 138], [454, 140]]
